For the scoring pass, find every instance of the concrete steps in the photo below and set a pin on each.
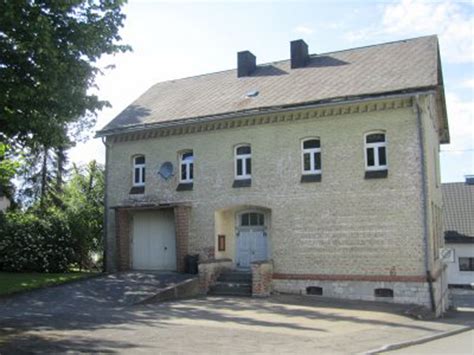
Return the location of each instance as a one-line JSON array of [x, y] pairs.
[[233, 283]]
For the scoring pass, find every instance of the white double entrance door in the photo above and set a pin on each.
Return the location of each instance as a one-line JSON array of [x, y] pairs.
[[252, 246]]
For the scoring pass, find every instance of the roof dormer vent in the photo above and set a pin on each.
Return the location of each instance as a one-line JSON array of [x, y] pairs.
[[299, 54], [246, 63], [469, 179]]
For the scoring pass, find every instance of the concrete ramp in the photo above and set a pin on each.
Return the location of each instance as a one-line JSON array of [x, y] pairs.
[[137, 287], [181, 290]]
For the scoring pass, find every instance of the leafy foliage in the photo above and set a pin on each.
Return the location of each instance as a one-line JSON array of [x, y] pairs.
[[52, 239], [48, 63], [8, 169], [49, 52], [35, 242], [84, 201]]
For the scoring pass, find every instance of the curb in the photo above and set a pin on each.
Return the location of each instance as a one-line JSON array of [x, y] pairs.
[[418, 341]]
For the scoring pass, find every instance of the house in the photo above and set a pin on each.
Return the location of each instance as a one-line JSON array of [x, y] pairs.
[[458, 224], [323, 165]]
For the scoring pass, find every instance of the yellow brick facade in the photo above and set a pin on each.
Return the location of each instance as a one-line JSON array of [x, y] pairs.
[[344, 224]]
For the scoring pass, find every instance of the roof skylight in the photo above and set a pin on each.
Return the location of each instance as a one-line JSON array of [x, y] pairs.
[[252, 93]]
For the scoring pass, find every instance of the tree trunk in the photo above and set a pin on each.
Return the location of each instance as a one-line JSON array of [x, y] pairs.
[[60, 161], [44, 177]]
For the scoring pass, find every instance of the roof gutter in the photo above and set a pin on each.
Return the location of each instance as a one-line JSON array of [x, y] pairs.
[[266, 110]]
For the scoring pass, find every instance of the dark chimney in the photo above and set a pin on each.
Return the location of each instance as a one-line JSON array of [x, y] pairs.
[[299, 54], [469, 179], [246, 63]]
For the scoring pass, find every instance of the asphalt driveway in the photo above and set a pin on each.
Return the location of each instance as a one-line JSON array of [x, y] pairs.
[[89, 295], [281, 324]]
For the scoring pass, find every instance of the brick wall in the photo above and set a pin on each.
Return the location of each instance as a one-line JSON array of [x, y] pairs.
[[262, 274], [181, 217], [343, 225], [122, 224]]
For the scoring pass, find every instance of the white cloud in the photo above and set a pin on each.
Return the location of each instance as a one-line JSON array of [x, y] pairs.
[[452, 21], [457, 158], [461, 123], [303, 30], [448, 19]]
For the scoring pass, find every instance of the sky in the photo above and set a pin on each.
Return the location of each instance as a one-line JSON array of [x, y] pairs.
[[176, 39]]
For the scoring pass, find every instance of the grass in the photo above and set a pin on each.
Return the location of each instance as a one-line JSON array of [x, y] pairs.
[[12, 282]]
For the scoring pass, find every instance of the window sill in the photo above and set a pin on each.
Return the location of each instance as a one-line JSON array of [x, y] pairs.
[[185, 186], [242, 183], [376, 174], [311, 178], [137, 190]]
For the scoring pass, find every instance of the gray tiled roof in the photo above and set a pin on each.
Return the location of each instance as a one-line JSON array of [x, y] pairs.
[[384, 68], [458, 211]]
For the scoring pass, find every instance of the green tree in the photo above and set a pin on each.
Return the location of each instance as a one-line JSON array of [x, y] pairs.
[[84, 203], [48, 63], [43, 174], [8, 169]]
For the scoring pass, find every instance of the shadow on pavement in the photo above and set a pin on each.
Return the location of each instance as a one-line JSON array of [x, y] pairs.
[[35, 326]]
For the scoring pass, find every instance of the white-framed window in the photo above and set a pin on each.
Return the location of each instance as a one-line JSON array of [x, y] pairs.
[[252, 219], [186, 167], [311, 156], [466, 264], [139, 170], [375, 151], [243, 162]]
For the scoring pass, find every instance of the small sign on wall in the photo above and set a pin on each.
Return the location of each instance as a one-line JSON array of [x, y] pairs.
[[447, 254], [221, 242]]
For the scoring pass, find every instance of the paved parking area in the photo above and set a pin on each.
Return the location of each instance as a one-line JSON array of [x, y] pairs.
[[462, 344], [282, 324], [89, 295]]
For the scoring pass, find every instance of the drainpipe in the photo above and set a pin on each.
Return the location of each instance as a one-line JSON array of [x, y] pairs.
[[106, 207], [421, 139]]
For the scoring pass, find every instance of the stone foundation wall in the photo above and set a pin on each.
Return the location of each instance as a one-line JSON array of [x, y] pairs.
[[403, 292], [262, 274]]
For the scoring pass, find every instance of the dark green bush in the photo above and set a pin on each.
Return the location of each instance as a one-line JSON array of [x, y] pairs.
[[36, 241]]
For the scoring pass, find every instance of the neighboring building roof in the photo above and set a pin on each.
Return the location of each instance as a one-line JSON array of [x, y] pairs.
[[395, 67], [458, 212]]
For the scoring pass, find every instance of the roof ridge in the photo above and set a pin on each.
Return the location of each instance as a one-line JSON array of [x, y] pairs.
[[382, 44], [312, 55]]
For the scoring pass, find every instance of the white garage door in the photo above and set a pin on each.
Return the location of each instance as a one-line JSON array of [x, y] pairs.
[[154, 241]]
